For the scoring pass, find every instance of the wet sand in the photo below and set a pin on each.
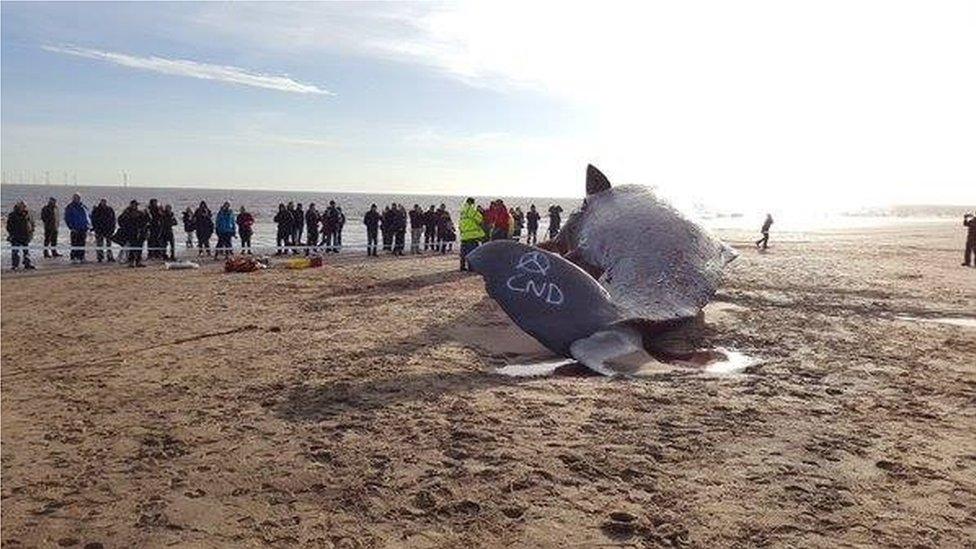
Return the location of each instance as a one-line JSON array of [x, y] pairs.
[[357, 406]]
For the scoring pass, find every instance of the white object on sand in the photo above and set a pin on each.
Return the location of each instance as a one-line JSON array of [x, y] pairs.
[[180, 265]]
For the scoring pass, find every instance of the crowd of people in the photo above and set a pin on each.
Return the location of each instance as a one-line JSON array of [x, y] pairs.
[[149, 231]]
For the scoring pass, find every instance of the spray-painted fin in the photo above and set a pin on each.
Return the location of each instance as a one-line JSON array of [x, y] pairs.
[[560, 305]]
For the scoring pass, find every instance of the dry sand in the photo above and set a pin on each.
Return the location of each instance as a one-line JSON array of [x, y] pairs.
[[356, 406]]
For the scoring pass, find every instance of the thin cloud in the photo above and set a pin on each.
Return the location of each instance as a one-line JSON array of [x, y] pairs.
[[193, 69]]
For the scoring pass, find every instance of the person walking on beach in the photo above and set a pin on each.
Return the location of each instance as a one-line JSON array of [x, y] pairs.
[[204, 226], [103, 224], [51, 220], [20, 232], [76, 218], [245, 229], [311, 229], [416, 216], [226, 229], [188, 227], [471, 231], [132, 228], [283, 219], [555, 220], [764, 241], [167, 238], [969, 256], [372, 222]]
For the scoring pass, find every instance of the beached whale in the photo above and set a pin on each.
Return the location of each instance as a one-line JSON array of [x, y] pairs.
[[632, 270]]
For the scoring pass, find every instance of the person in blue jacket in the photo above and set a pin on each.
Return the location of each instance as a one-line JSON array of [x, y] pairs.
[[76, 218], [226, 229]]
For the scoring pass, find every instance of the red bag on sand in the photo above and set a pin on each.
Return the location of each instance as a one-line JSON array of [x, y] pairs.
[[241, 264], [315, 261]]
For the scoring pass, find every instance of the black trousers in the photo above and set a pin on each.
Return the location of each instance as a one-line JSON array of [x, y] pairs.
[[371, 240], [78, 241], [429, 239], [135, 251], [970, 254], [387, 239], [224, 244], [398, 241], [167, 240], [103, 243], [312, 240], [532, 236], [50, 241], [16, 247], [764, 241], [203, 241], [282, 241], [245, 240]]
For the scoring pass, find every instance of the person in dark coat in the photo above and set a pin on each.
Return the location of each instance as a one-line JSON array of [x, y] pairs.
[[340, 223], [416, 228], [20, 232], [765, 232], [372, 222], [133, 224], [969, 221], [49, 216], [299, 227], [555, 220], [167, 238], [290, 237], [445, 230], [188, 227], [245, 229], [430, 229], [103, 224], [154, 230], [386, 229], [330, 228], [400, 229], [284, 220], [532, 225], [311, 229], [203, 224]]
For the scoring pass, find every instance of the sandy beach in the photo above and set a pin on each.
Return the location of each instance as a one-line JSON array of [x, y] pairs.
[[356, 405]]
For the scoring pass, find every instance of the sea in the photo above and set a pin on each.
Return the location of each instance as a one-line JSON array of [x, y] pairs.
[[263, 204]]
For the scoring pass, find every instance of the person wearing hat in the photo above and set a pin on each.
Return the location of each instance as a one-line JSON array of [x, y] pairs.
[[20, 231], [133, 224]]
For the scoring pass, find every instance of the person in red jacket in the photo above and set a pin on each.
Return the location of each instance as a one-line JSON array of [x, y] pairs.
[[498, 216], [245, 229]]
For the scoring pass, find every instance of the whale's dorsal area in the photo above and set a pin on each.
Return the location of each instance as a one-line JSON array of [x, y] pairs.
[[657, 264]]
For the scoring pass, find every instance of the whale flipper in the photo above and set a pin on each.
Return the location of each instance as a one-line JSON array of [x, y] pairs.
[[618, 350], [549, 297]]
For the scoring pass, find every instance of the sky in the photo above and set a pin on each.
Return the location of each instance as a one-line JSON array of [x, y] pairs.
[[819, 104]]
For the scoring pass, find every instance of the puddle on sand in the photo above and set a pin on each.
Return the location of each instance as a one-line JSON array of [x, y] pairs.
[[726, 362], [950, 320]]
